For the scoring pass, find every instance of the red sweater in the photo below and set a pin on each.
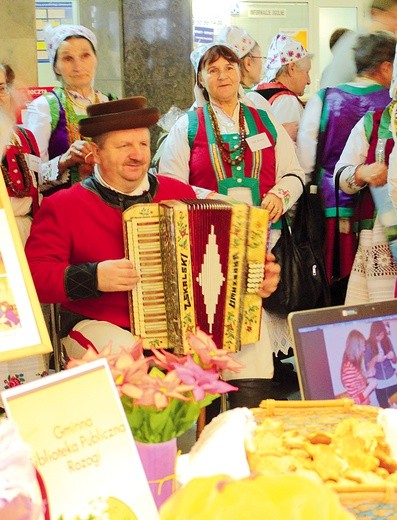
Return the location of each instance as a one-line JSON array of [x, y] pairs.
[[75, 226]]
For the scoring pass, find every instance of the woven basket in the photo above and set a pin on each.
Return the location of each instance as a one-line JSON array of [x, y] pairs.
[[364, 501]]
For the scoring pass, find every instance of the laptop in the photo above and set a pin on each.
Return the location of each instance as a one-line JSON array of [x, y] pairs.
[[319, 338]]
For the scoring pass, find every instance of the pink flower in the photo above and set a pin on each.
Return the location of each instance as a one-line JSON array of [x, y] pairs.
[[129, 380], [203, 381], [157, 391], [210, 355], [161, 393], [125, 361], [90, 355], [167, 360]]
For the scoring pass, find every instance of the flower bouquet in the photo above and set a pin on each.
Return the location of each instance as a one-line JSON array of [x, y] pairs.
[[162, 395]]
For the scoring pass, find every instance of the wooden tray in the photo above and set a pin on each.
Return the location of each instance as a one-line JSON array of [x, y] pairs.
[[364, 501]]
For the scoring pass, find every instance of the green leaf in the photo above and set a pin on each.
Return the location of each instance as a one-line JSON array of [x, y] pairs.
[[151, 425]]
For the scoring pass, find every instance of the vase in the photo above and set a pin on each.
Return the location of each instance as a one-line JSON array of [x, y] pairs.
[[158, 461]]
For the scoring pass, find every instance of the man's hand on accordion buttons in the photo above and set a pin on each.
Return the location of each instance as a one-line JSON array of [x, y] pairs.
[[116, 275], [272, 276]]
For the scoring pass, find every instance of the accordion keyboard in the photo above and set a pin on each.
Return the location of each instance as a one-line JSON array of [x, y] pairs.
[[149, 315]]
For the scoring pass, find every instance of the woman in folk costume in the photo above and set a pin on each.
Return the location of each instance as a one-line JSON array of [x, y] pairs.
[[363, 168], [392, 169], [227, 147], [20, 164], [251, 68], [326, 123], [287, 69], [54, 117]]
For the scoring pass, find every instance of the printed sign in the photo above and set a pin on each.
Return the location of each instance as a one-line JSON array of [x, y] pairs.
[[24, 96], [267, 12], [203, 34], [82, 446]]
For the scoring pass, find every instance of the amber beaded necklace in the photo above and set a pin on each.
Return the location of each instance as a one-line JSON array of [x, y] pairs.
[[72, 121], [23, 168], [224, 147]]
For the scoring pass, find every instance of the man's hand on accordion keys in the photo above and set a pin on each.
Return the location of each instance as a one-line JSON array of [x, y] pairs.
[[272, 276], [116, 275]]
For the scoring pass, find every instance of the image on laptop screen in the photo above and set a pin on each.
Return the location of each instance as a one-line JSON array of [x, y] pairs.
[[347, 351]]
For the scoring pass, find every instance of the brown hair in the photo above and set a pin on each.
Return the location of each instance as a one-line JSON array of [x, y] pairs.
[[336, 35], [211, 55], [216, 52], [377, 328], [10, 74], [383, 5]]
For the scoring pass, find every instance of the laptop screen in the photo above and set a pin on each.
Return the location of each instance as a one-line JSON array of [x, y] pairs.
[[347, 351]]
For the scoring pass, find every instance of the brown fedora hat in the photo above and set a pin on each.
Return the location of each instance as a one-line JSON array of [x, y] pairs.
[[121, 114]]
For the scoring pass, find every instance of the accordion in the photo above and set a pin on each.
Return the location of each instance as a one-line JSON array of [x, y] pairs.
[[200, 265]]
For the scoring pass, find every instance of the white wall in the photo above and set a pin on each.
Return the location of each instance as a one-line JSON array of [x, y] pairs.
[[263, 19]]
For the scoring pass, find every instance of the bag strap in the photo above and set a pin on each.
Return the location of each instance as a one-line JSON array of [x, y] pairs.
[[294, 175], [303, 228]]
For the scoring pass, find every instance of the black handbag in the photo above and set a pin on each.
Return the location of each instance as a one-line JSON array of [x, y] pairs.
[[313, 186], [303, 280]]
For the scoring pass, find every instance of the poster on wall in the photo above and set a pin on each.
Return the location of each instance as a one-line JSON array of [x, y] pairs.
[[299, 35], [54, 12], [22, 327]]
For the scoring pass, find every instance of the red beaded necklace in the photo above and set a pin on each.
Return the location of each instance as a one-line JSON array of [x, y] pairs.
[[23, 168], [224, 147]]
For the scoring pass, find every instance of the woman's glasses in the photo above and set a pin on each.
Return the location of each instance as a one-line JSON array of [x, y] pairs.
[[259, 57]]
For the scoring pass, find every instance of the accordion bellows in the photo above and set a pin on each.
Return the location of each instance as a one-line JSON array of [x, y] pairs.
[[200, 263]]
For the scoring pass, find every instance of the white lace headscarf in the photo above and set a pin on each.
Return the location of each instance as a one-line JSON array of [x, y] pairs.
[[54, 36], [240, 41], [283, 49]]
